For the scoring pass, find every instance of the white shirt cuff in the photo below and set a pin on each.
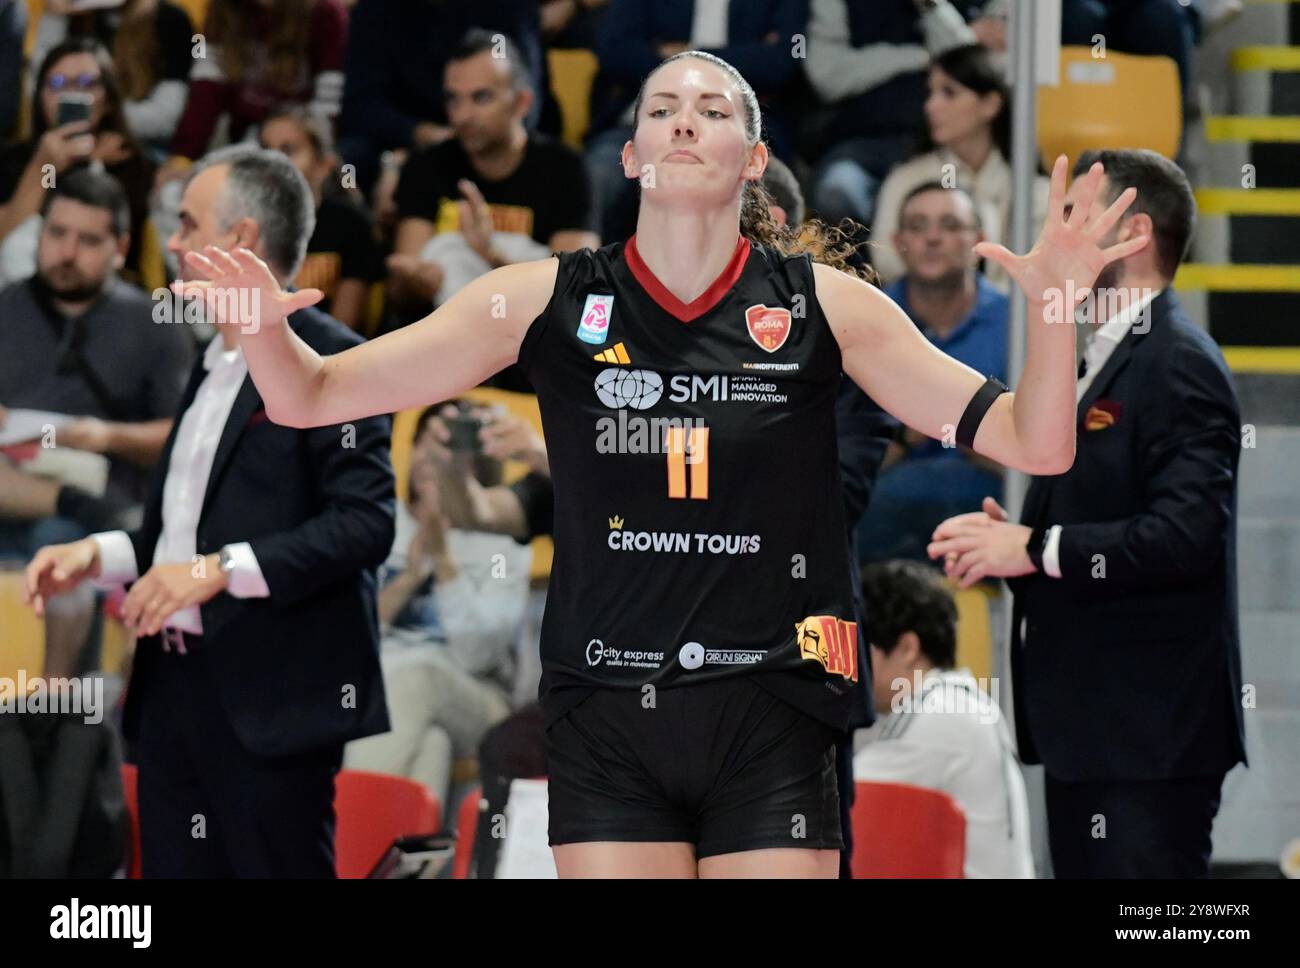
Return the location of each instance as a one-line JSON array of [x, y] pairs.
[[1052, 552], [116, 558], [246, 579]]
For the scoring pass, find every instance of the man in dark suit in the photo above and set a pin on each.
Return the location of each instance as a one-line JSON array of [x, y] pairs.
[[1126, 664], [253, 579]]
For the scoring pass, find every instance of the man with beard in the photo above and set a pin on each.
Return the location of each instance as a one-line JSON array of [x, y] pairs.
[[77, 340], [1125, 660], [490, 195]]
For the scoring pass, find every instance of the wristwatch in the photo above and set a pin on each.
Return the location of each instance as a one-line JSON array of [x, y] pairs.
[[225, 561]]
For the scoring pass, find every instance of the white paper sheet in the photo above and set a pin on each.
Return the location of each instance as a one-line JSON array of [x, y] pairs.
[[22, 425]]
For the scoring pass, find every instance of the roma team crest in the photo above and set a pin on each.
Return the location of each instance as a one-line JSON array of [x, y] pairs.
[[769, 328], [594, 326]]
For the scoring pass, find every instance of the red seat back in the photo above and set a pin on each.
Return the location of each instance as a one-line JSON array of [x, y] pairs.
[[130, 779], [906, 831], [466, 831], [371, 811]]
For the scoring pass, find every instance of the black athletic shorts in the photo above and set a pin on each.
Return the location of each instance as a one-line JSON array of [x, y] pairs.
[[723, 765]]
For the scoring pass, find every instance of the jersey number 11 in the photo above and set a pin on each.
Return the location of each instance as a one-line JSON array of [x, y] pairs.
[[688, 457]]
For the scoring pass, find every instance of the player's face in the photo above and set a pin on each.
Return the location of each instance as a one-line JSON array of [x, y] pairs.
[[690, 144]]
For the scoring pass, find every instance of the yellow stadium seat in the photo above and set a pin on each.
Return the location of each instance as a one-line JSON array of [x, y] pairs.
[[523, 405], [116, 647], [572, 74], [153, 267], [374, 312], [197, 10], [22, 634], [403, 440], [974, 629], [1115, 101]]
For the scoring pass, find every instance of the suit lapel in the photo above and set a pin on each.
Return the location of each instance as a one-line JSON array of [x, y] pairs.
[[1155, 313], [247, 402], [151, 526], [1040, 488], [1109, 371]]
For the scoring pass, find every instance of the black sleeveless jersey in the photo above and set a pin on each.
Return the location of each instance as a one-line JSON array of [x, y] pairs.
[[699, 525]]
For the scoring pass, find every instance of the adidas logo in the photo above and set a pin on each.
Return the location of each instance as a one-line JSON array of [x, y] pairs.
[[616, 523], [615, 354]]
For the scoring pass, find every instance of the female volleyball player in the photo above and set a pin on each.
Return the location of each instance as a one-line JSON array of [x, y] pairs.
[[697, 645]]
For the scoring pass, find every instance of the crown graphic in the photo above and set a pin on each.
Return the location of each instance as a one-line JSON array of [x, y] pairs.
[[616, 523]]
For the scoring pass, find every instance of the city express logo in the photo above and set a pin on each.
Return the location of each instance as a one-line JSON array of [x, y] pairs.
[[830, 641]]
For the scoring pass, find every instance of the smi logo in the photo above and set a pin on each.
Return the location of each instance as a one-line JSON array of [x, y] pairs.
[[618, 388]]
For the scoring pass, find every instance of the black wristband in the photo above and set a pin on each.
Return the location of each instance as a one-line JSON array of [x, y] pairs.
[[1037, 542], [977, 408]]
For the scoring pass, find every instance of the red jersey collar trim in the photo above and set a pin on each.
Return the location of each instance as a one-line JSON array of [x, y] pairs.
[[687, 312]]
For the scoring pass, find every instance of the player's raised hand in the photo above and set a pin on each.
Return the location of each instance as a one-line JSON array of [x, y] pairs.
[[1068, 257], [240, 289]]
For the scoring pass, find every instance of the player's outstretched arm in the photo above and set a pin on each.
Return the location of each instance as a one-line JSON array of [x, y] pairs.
[[1033, 428], [473, 335]]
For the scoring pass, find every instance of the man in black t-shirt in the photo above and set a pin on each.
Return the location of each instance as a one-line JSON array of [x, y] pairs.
[[491, 195]]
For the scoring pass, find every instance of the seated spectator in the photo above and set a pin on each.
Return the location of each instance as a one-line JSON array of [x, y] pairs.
[[78, 341], [491, 195], [151, 43], [938, 728], [343, 256], [966, 142], [450, 606], [636, 35], [72, 70], [867, 60], [397, 54], [524, 510], [926, 481], [261, 56]]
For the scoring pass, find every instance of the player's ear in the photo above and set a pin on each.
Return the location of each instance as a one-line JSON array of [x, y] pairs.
[[757, 162], [630, 167]]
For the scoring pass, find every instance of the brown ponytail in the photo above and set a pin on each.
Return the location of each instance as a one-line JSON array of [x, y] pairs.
[[828, 244]]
